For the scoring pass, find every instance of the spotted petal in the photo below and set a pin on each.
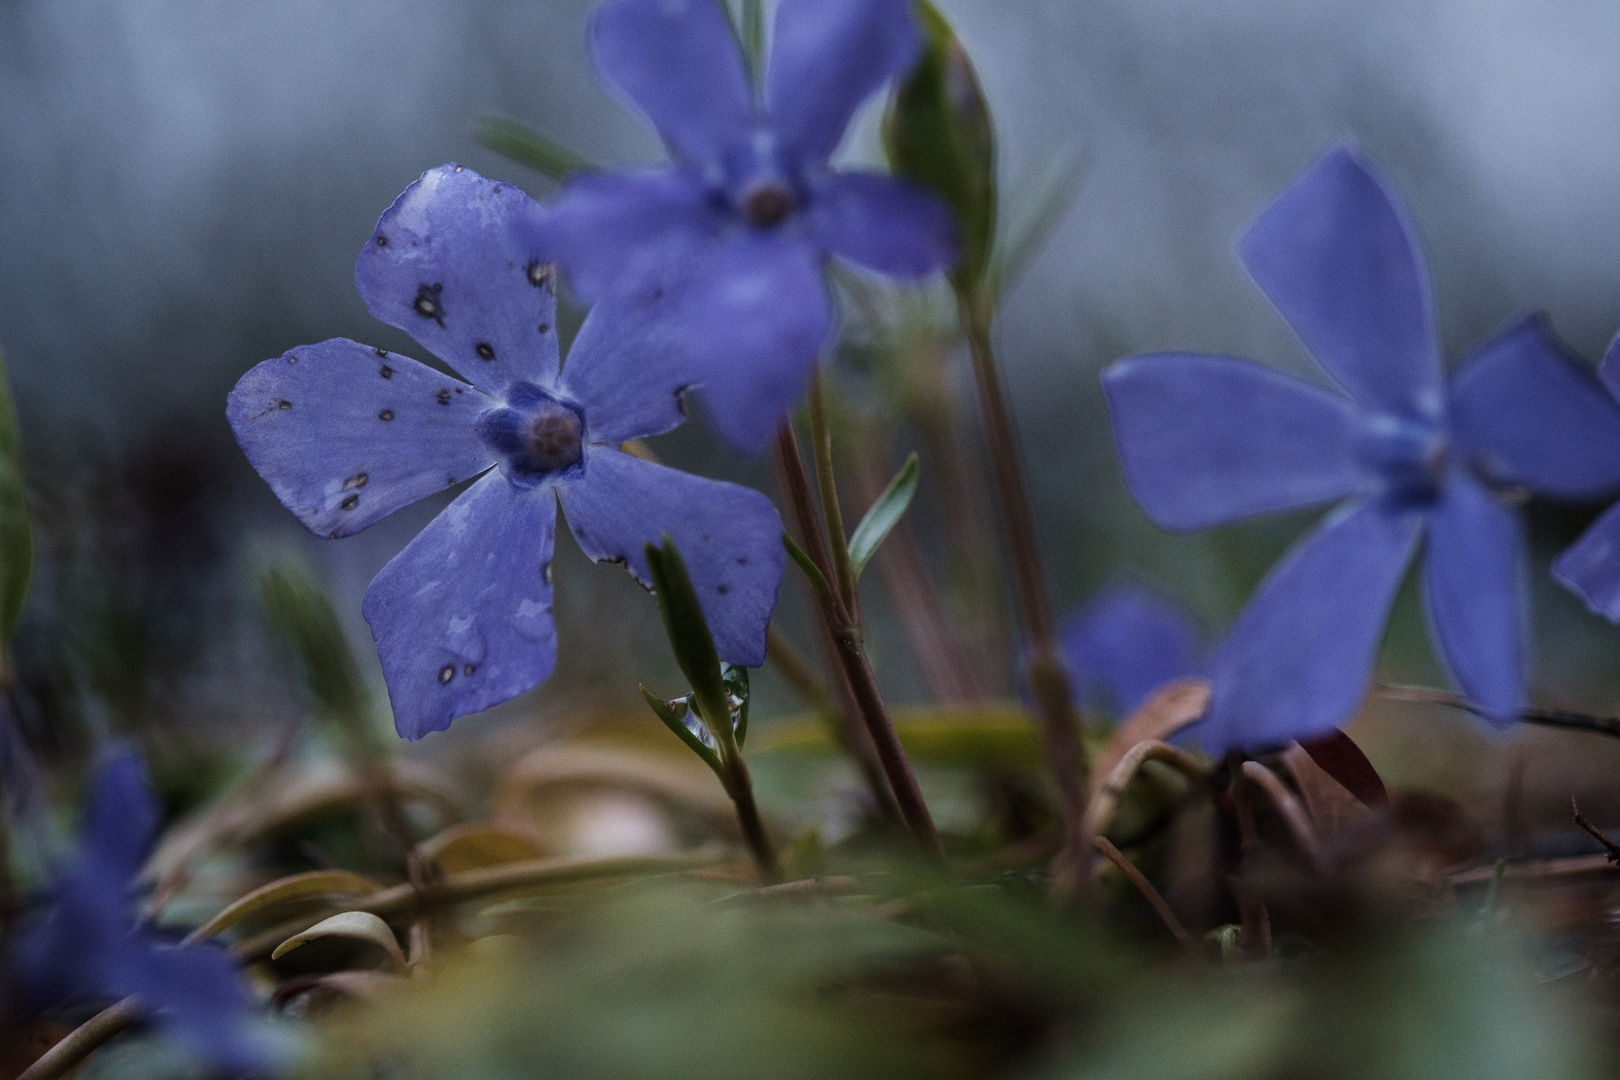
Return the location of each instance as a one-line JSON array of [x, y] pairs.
[[1298, 660], [456, 263], [828, 56], [1209, 439], [1337, 256], [883, 224], [1590, 568], [729, 537], [678, 62], [1538, 417], [1126, 642], [462, 616], [346, 434], [1473, 589]]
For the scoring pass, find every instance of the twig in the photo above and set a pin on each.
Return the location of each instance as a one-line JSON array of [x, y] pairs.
[[1597, 834], [1149, 893], [1256, 938], [821, 443], [1100, 814], [1558, 718], [1290, 810], [83, 1041]]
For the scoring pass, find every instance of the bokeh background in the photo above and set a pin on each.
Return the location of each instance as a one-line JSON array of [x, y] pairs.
[[186, 185]]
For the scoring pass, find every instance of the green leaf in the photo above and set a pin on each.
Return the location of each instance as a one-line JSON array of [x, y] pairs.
[[883, 516], [357, 925], [736, 679], [1041, 195], [938, 133], [818, 580], [687, 627], [526, 146], [676, 722], [314, 647], [16, 526]]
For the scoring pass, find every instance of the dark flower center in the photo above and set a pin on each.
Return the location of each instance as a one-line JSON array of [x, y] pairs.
[[538, 435], [767, 204], [1410, 455]]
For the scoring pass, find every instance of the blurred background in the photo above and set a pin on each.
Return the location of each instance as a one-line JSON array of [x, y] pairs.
[[187, 184]]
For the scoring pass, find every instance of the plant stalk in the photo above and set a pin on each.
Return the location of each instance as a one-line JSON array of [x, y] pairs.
[[821, 442]]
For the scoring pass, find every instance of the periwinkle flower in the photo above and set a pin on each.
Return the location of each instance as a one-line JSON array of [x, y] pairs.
[[749, 209], [346, 434], [1591, 566], [89, 945], [1126, 642], [1209, 439]]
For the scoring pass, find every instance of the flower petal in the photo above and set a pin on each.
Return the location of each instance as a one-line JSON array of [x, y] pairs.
[[1210, 439], [628, 367], [1336, 255], [1297, 661], [1538, 417], [120, 821], [615, 232], [884, 224], [197, 995], [1590, 568], [1473, 592], [346, 434], [729, 536], [753, 314], [678, 62], [1127, 641], [828, 56], [462, 616], [456, 263]]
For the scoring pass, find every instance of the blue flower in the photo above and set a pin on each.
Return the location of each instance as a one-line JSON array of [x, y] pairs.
[[1591, 566], [89, 945], [346, 434], [1208, 439], [1126, 642], [749, 208]]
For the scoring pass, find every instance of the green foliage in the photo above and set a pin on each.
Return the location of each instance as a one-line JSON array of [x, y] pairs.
[[526, 146], [938, 133], [884, 514], [688, 630], [16, 526], [316, 652]]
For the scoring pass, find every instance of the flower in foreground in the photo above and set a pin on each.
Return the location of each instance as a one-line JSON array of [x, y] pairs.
[[1126, 642], [1591, 566], [346, 434], [749, 208], [89, 947], [1210, 439]]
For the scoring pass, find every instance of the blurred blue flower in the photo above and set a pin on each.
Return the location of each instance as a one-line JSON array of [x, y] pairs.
[[749, 208], [90, 946], [346, 434], [1126, 642], [1209, 439], [1591, 566]]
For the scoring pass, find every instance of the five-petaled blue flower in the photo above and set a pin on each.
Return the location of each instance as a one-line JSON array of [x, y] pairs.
[[1209, 439], [346, 434], [1591, 566], [749, 208], [89, 947], [1126, 642]]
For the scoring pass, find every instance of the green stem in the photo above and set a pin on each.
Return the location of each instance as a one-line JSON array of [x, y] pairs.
[[1048, 678], [821, 441]]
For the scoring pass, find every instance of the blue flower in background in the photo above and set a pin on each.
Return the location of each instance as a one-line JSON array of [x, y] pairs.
[[1210, 439], [1591, 566], [346, 434], [749, 208], [1126, 642], [90, 947]]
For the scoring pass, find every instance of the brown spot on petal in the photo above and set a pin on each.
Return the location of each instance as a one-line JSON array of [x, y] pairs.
[[358, 480], [443, 395], [468, 669], [351, 502], [386, 372], [447, 673], [427, 303], [485, 351], [386, 414], [283, 403]]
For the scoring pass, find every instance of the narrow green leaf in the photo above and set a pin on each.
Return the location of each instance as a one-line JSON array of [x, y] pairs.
[[677, 723], [938, 133], [818, 581], [1041, 196], [884, 515], [526, 146], [753, 33], [313, 645], [687, 627], [356, 925], [16, 526]]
